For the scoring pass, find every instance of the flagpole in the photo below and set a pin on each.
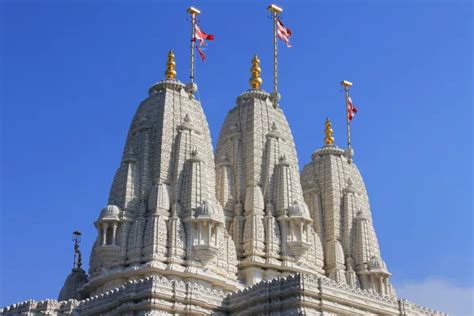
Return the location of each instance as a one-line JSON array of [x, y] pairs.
[[275, 10], [346, 85], [193, 12]]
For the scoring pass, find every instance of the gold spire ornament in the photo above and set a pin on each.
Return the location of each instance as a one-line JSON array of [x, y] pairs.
[[255, 80], [329, 139], [170, 66]]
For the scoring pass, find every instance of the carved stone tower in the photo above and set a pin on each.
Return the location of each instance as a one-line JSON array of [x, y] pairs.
[[162, 216], [183, 234], [336, 195], [259, 187]]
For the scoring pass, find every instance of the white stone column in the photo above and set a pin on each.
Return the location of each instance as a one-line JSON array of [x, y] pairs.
[[209, 233], [114, 233], [104, 234]]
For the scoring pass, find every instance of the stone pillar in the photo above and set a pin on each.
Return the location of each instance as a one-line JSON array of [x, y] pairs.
[[105, 226], [114, 233]]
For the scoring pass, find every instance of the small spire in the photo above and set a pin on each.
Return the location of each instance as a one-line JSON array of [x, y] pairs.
[[170, 66], [255, 80], [329, 139]]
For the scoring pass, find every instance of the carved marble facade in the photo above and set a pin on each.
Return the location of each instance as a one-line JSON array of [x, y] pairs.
[[242, 234]]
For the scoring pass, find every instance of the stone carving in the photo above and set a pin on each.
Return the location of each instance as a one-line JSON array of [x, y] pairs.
[[179, 230], [167, 219], [336, 195], [263, 173]]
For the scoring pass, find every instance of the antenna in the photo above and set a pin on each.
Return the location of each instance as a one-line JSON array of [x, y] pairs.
[[76, 238], [194, 13], [275, 11], [346, 85]]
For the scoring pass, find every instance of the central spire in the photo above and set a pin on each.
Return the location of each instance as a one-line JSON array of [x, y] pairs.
[[255, 79], [259, 186]]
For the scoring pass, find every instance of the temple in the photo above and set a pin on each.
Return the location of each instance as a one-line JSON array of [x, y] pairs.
[[241, 233]]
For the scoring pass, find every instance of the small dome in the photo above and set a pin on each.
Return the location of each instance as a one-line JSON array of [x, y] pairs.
[[376, 263], [110, 212], [298, 209], [207, 209]]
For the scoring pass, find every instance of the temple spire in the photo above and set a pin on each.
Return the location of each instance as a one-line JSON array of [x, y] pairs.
[[255, 79], [170, 66], [329, 139]]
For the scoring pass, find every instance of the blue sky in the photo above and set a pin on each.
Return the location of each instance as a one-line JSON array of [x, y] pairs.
[[72, 75]]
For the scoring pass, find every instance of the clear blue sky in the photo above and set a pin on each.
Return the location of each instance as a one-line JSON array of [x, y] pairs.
[[72, 75]]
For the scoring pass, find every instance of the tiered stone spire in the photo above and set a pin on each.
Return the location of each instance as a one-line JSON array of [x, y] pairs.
[[163, 216], [258, 185], [335, 193]]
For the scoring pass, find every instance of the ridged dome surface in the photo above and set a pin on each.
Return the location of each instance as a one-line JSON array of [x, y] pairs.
[[110, 212], [298, 209], [207, 209]]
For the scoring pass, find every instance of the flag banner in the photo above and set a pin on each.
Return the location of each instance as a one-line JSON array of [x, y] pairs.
[[202, 37], [283, 32], [351, 109], [201, 53]]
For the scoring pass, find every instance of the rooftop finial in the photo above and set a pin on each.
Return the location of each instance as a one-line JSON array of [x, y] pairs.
[[329, 139], [170, 66], [255, 80], [76, 237]]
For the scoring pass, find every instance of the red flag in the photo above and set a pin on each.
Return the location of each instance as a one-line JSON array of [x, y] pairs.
[[201, 53], [202, 37], [283, 32], [351, 109]]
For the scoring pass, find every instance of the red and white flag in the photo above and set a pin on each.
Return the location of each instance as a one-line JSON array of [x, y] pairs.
[[283, 32], [201, 53], [351, 109], [202, 37]]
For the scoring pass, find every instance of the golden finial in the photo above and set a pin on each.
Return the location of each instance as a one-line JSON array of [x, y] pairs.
[[170, 66], [255, 80], [329, 139]]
